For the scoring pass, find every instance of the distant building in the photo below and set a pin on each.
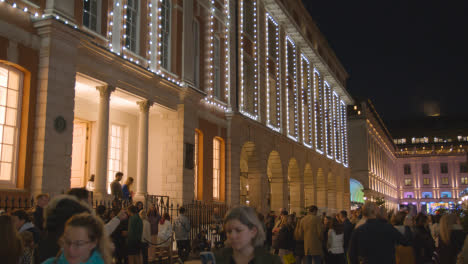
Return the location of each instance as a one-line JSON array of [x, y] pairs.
[[421, 164]]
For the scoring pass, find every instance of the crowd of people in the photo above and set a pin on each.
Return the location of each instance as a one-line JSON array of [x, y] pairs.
[[67, 229]]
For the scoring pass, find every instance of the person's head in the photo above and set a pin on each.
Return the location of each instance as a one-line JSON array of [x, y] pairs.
[[139, 205], [59, 210], [446, 225], [343, 215], [243, 228], [398, 219], [337, 226], [369, 210], [132, 210], [129, 181], [10, 244], [101, 209], [84, 233], [118, 176], [91, 178], [19, 217], [182, 210], [421, 220], [42, 200], [313, 210], [80, 193]]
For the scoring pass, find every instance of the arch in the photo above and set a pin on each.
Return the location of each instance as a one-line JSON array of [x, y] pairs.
[[276, 180], [356, 191], [309, 187], [252, 180], [321, 189], [295, 187], [331, 191]]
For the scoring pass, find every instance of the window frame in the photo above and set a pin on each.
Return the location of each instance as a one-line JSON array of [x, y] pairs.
[[426, 181], [217, 192], [137, 29], [196, 54], [98, 16], [217, 68], [407, 169], [165, 37], [408, 181], [444, 180], [109, 156], [425, 168]]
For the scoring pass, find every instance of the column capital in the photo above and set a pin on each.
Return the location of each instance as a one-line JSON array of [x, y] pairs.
[[145, 105], [105, 90]]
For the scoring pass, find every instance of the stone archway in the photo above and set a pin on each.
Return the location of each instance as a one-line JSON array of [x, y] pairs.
[[309, 187], [331, 191], [276, 180], [321, 190], [295, 187], [251, 177]]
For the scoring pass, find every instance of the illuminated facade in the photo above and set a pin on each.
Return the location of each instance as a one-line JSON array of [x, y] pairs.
[[372, 157], [184, 96]]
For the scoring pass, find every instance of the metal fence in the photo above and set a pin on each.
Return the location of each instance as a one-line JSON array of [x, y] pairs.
[[203, 216]]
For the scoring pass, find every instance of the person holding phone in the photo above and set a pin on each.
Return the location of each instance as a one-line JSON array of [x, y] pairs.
[[245, 239]]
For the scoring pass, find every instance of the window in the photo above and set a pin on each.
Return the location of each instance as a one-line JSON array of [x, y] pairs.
[[445, 180], [444, 167], [216, 168], [115, 154], [196, 44], [131, 26], [272, 67], [291, 89], [427, 181], [248, 17], [446, 194], [462, 138], [318, 108], [400, 141], [408, 182], [426, 194], [216, 70], [198, 161], [420, 140], [425, 168], [464, 180], [407, 169], [165, 33], [91, 11], [10, 93], [463, 167], [409, 195]]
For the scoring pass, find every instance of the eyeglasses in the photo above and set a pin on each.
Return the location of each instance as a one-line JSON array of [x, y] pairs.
[[76, 244]]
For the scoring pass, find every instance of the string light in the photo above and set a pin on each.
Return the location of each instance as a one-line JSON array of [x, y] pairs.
[[306, 102], [277, 125], [226, 50], [318, 113], [344, 134], [327, 109], [294, 136], [336, 128]]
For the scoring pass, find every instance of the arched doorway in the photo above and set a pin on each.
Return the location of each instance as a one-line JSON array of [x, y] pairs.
[[251, 177], [309, 188], [276, 180], [356, 192], [295, 187], [321, 190]]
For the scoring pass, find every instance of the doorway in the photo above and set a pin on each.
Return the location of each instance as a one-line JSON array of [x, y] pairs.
[[79, 166]]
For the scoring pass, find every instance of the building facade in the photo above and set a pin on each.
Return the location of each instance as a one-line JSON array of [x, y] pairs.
[[224, 101], [372, 157]]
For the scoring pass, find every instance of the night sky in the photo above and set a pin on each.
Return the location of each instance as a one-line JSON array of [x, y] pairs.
[[409, 57]]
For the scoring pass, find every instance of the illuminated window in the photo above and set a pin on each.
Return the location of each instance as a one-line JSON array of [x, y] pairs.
[[291, 89], [272, 68], [462, 138], [408, 182], [132, 25], [91, 11], [318, 107], [427, 181], [445, 180], [328, 120], [425, 168], [407, 169], [10, 93], [115, 153], [420, 140], [463, 167], [426, 194], [198, 161], [464, 180], [444, 167], [165, 33], [306, 102], [217, 67], [446, 194], [400, 141], [217, 168]]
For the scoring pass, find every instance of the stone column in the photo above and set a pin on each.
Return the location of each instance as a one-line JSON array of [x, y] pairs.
[[142, 169], [102, 141]]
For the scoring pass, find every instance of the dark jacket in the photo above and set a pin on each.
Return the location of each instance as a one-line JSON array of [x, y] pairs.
[[374, 242], [347, 230], [448, 252], [423, 245], [286, 238], [135, 230], [261, 256], [116, 189], [38, 218]]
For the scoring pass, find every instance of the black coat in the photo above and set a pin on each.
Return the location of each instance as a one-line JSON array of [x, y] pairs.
[[286, 238], [347, 230], [423, 245], [374, 242], [448, 252]]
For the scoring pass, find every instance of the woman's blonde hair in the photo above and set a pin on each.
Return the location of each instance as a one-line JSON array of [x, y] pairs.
[[247, 216], [446, 225], [95, 228], [129, 181]]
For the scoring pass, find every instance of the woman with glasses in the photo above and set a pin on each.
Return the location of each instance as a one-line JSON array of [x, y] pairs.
[[83, 241]]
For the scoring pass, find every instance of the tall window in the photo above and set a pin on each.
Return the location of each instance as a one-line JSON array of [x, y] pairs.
[[197, 159], [407, 169], [165, 33], [336, 127], [425, 168], [306, 96], [291, 89], [10, 93], [272, 68], [444, 167], [318, 107], [196, 53], [115, 153], [344, 140], [328, 119], [427, 181], [216, 168], [464, 180], [91, 14], [463, 167], [131, 26], [408, 182], [217, 68], [445, 180]]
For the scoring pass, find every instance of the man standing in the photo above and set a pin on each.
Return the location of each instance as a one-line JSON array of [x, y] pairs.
[[375, 240], [347, 228], [182, 233], [311, 227], [38, 215], [116, 188]]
